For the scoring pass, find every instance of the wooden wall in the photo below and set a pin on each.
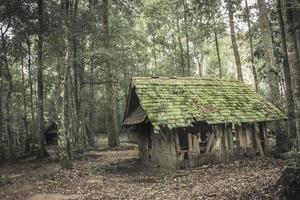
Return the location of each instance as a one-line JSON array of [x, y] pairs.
[[224, 143]]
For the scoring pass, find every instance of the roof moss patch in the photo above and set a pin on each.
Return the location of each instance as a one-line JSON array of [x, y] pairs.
[[181, 101]]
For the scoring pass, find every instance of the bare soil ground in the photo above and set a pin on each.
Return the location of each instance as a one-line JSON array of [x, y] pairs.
[[118, 174]]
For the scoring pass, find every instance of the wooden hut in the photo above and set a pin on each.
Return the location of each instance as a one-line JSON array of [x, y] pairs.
[[186, 122], [51, 134]]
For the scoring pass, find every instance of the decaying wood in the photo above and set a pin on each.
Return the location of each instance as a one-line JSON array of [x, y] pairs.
[[190, 140], [196, 144], [210, 141], [177, 144], [258, 143]]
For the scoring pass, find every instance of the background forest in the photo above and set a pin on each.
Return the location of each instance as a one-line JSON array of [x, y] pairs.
[[70, 61]]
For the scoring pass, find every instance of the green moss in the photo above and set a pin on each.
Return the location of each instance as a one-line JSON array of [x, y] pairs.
[[177, 102]]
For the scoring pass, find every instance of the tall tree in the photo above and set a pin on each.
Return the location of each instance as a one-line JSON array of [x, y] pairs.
[[235, 49], [291, 10], [270, 60], [186, 31], [40, 83], [25, 119], [2, 156], [110, 86], [8, 103], [287, 76], [63, 144], [251, 45]]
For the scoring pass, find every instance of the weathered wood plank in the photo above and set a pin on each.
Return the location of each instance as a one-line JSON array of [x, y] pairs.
[[210, 141], [196, 147], [258, 143], [190, 141], [230, 138], [177, 144]]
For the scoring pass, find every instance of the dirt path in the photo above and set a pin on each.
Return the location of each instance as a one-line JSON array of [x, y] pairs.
[[117, 174]]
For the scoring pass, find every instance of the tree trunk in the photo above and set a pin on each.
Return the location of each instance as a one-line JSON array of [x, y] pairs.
[[154, 53], [63, 150], [25, 120], [251, 46], [180, 48], [9, 79], [32, 127], [110, 87], [291, 29], [92, 109], [40, 84], [233, 41], [2, 154], [218, 51], [185, 10], [272, 69], [287, 77]]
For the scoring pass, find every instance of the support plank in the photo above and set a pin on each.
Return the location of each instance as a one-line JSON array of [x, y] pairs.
[[177, 144], [258, 142], [230, 138], [196, 147], [190, 140], [210, 141]]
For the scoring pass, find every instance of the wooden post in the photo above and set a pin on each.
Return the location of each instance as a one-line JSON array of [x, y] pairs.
[[196, 144], [210, 141], [190, 140], [242, 140], [230, 138], [177, 144], [217, 148], [258, 143], [249, 140]]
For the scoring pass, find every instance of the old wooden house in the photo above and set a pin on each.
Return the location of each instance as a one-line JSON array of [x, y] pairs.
[[186, 122]]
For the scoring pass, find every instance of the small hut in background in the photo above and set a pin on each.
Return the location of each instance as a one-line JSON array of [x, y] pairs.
[[51, 134], [187, 122]]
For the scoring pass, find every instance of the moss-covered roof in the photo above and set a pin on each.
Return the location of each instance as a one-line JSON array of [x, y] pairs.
[[177, 102]]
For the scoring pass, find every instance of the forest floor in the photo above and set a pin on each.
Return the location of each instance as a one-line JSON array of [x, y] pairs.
[[117, 174]]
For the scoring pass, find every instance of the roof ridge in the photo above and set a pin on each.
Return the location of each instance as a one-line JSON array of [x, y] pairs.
[[184, 78]]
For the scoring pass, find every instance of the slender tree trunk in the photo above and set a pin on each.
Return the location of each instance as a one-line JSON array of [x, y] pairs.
[[154, 53], [2, 154], [185, 10], [233, 41], [9, 120], [218, 51], [287, 78], [40, 84], [251, 46], [92, 109], [272, 69], [32, 111], [110, 89], [180, 47], [25, 120], [291, 30]]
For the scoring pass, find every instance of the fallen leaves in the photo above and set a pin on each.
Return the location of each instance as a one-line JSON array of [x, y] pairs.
[[118, 174]]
